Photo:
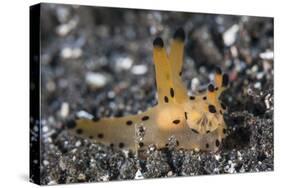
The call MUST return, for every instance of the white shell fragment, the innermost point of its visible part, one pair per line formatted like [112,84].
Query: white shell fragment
[96,80]
[229,36]
[268,55]
[139,69]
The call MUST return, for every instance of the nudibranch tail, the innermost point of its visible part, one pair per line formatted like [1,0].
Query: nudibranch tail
[118,132]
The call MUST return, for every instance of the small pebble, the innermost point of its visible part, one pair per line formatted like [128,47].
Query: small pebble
[62,164]
[229,36]
[195,84]
[52,182]
[260,75]
[64,29]
[78,143]
[45,129]
[51,86]
[81,177]
[257,85]
[64,111]
[105,178]
[96,80]
[218,157]
[111,94]
[66,52]
[45,162]
[139,69]
[268,55]
[234,51]
[84,114]
[124,63]
[73,53]
[170,173]
[139,175]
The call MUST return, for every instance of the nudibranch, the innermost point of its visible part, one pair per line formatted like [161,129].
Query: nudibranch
[196,122]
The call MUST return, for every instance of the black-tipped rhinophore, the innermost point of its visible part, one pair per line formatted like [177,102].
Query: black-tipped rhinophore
[179,34]
[71,124]
[158,42]
[224,80]
[218,70]
[211,88]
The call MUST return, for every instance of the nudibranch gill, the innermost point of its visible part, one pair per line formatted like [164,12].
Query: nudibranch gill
[196,122]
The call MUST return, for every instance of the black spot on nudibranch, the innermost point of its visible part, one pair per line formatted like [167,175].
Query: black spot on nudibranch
[180,73]
[111,145]
[217,143]
[91,137]
[176,121]
[195,131]
[185,115]
[207,145]
[179,34]
[212,108]
[158,42]
[100,135]
[172,93]
[129,122]
[224,130]
[79,131]
[204,98]
[191,97]
[166,99]
[145,118]
[121,145]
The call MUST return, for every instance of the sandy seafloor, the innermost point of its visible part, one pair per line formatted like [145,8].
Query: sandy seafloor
[99,61]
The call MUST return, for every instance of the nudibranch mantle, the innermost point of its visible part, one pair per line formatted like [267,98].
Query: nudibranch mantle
[196,122]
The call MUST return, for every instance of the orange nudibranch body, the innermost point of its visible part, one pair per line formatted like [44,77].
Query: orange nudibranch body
[196,122]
